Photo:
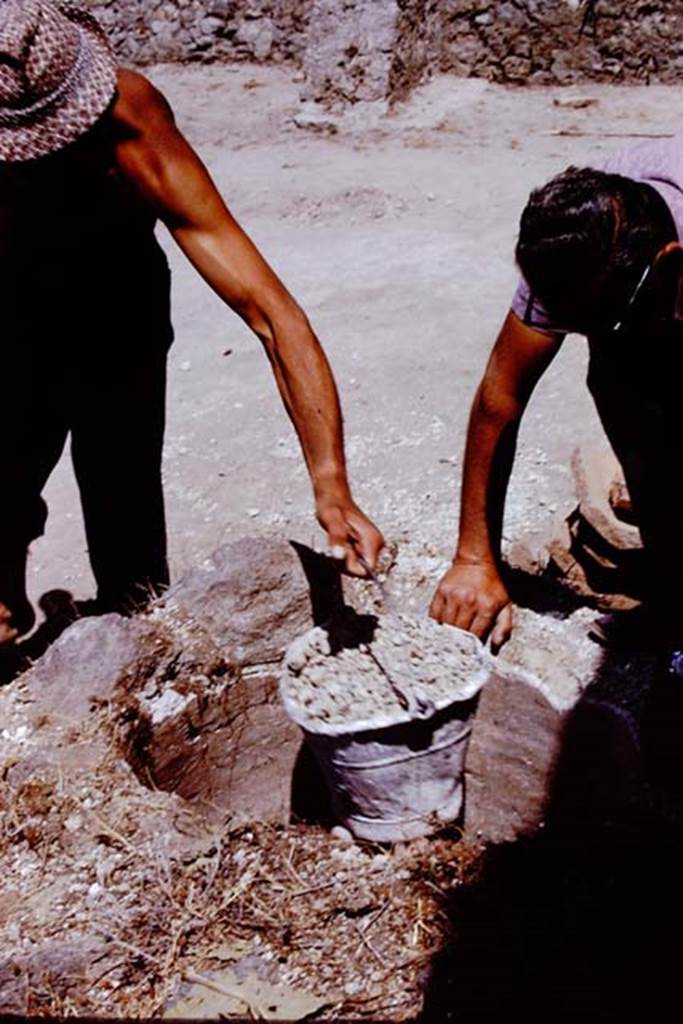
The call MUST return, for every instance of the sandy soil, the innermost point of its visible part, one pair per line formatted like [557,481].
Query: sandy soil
[396,235]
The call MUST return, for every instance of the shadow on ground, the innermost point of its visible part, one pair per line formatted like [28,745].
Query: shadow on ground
[543,592]
[60,610]
[582,920]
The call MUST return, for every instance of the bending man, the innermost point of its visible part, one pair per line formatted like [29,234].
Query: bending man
[599,255]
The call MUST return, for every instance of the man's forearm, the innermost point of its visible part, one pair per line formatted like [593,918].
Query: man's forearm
[471,594]
[489,454]
[301,369]
[306,384]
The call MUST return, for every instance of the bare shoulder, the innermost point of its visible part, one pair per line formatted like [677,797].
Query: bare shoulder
[139,105]
[149,150]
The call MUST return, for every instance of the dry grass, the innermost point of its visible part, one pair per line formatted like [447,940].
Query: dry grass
[115,900]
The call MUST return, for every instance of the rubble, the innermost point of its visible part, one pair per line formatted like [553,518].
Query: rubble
[370,668]
[597,550]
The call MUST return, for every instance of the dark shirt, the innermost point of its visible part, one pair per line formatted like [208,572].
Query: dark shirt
[77,242]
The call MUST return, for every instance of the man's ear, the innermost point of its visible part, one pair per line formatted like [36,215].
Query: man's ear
[668,266]
[669,254]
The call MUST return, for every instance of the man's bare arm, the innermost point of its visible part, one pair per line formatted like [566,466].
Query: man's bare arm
[472,594]
[166,171]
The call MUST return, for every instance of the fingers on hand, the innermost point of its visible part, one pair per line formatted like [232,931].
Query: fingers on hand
[365,538]
[462,609]
[337,532]
[364,543]
[372,542]
[502,629]
[466,610]
[353,564]
[342,542]
[452,608]
[481,624]
[437,607]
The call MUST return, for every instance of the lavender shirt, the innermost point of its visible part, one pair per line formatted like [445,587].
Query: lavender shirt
[657,162]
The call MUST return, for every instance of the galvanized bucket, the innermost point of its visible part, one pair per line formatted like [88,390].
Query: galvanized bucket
[397,776]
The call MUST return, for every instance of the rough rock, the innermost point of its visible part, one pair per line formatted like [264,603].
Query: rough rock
[558,41]
[349,50]
[189,689]
[599,484]
[515,743]
[56,969]
[542,677]
[251,596]
[171,30]
[88,660]
[597,550]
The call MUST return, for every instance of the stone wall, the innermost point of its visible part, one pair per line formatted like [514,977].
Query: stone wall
[144,31]
[563,40]
[354,50]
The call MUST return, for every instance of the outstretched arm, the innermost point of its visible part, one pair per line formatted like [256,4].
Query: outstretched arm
[472,594]
[164,168]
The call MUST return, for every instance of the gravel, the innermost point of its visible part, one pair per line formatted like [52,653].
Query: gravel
[372,667]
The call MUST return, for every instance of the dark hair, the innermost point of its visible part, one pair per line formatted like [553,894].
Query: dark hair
[585,238]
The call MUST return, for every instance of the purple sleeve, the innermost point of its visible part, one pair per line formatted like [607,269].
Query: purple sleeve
[531,312]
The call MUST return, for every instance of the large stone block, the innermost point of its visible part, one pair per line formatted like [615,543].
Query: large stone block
[515,743]
[349,50]
[251,597]
[541,676]
[87,662]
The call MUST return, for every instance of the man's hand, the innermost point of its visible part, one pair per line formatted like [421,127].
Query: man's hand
[471,595]
[350,533]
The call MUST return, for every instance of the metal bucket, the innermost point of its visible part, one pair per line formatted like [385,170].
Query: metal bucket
[398,776]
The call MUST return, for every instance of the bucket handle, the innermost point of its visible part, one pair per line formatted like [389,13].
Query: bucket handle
[417,707]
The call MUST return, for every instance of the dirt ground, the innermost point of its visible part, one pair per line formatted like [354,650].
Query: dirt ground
[395,232]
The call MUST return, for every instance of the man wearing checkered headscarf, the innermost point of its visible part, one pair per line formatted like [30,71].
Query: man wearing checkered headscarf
[90,157]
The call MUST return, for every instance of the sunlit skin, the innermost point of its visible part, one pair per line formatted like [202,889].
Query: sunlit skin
[168,181]
[472,594]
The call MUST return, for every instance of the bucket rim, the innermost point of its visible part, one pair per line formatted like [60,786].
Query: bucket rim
[387,720]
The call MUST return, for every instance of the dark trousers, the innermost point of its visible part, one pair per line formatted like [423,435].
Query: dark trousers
[87,359]
[636,382]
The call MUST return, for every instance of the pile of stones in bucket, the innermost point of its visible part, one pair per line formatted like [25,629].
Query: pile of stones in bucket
[363,669]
